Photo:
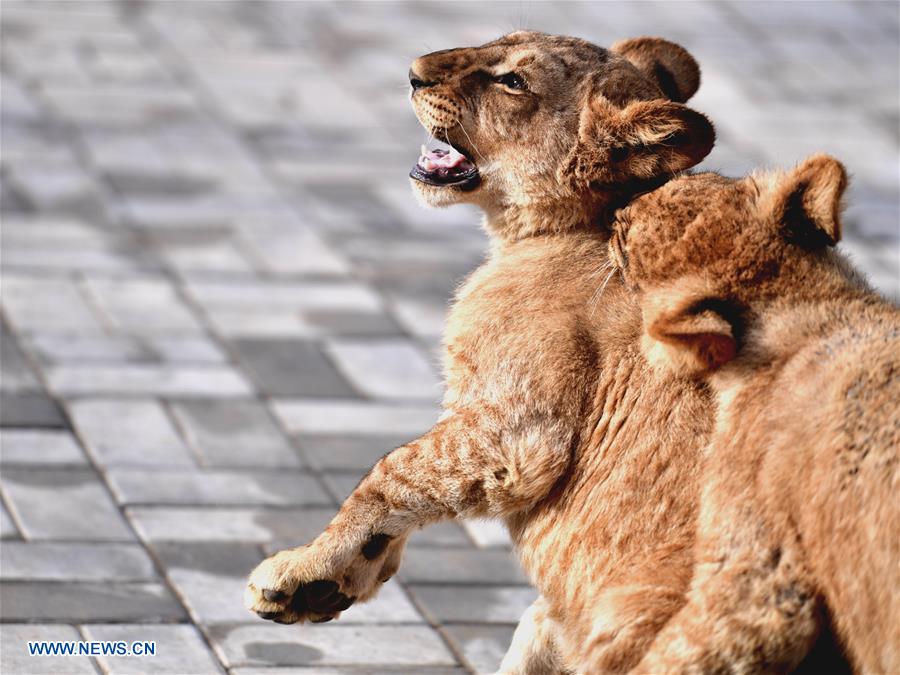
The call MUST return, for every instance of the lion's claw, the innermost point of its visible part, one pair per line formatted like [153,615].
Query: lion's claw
[275,596]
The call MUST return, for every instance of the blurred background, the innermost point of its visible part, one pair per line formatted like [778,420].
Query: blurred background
[221,303]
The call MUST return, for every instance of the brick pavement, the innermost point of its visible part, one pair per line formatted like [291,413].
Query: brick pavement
[215,317]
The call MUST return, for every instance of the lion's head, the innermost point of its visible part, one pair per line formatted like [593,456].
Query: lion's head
[707,255]
[545,131]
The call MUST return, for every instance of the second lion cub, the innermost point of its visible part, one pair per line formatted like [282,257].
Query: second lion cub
[799,508]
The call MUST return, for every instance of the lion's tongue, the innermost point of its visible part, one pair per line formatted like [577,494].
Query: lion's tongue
[443,161]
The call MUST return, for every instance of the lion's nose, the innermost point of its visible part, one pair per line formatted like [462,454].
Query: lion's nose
[417,82]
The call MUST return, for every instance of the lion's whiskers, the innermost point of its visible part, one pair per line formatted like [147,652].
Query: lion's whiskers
[596,273]
[598,294]
[468,138]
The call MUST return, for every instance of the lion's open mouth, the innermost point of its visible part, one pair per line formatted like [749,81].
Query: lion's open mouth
[446,167]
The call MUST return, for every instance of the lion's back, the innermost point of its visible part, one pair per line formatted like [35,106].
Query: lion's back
[835,465]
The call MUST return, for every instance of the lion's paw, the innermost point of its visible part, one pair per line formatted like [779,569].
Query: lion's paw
[289,587]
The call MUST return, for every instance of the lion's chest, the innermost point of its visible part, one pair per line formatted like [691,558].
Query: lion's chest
[531,349]
[518,328]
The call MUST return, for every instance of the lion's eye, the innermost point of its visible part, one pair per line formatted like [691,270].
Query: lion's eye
[511,80]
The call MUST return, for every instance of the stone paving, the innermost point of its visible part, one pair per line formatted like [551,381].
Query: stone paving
[221,304]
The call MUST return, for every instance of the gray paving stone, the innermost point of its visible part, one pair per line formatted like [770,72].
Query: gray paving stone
[65,504]
[86,602]
[16,373]
[48,306]
[186,349]
[284,322]
[221,257]
[143,306]
[180,650]
[422,317]
[390,606]
[873,216]
[347,453]
[334,644]
[216,487]
[8,528]
[142,434]
[176,160]
[53,187]
[47,561]
[234,433]
[203,211]
[37,229]
[292,368]
[66,257]
[15,659]
[462,566]
[261,322]
[39,446]
[229,524]
[488,533]
[209,381]
[484,646]
[17,102]
[118,105]
[395,261]
[294,295]
[54,349]
[395,369]
[334,416]
[332,323]
[291,249]
[210,577]
[29,409]
[128,67]
[474,604]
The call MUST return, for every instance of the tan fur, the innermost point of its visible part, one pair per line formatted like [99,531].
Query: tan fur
[800,516]
[553,419]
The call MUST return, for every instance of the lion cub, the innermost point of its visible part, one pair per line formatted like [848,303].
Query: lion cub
[552,419]
[800,503]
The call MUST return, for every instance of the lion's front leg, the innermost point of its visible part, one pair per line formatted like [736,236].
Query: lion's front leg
[466,465]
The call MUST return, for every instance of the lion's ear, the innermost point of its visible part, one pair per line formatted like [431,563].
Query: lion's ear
[645,140]
[807,202]
[690,336]
[667,64]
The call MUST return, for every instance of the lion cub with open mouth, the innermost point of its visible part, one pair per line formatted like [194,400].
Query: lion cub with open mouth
[800,509]
[552,420]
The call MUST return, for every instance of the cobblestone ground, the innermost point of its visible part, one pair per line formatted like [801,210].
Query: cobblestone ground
[221,305]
